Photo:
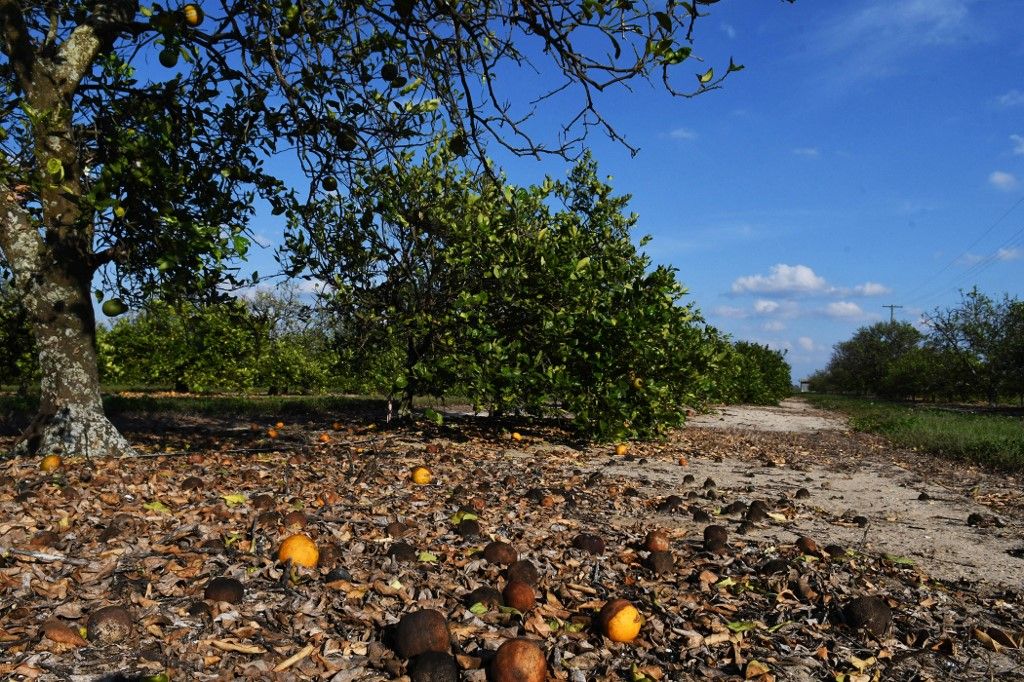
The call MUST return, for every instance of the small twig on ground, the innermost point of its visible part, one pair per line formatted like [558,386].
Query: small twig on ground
[42,556]
[292,660]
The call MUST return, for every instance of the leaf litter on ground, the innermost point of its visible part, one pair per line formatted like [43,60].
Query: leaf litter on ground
[129,533]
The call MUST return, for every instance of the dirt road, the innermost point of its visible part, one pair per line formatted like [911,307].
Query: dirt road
[916,507]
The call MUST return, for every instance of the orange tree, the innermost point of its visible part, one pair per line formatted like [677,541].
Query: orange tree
[135,138]
[764,376]
[521,299]
[269,341]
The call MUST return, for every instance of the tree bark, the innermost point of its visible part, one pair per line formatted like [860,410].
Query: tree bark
[70,420]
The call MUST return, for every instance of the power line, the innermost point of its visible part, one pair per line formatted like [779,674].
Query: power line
[967,250]
[1013,241]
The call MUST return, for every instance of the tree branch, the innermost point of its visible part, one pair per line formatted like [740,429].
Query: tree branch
[16,43]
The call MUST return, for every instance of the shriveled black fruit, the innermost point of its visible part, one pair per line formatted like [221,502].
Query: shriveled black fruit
[486,595]
[661,562]
[226,589]
[434,666]
[589,543]
[498,552]
[403,552]
[773,566]
[716,533]
[109,625]
[870,613]
[422,631]
[523,570]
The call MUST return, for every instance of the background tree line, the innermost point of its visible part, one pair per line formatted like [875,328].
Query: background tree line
[973,350]
[530,300]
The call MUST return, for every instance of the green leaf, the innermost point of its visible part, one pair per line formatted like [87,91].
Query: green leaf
[460,516]
[735,67]
[478,609]
[55,168]
[664,21]
[707,76]
[427,557]
[157,506]
[582,263]
[743,625]
[235,499]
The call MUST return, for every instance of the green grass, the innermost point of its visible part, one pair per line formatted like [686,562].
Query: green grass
[988,439]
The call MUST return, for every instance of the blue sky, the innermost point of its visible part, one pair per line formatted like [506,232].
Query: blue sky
[871,153]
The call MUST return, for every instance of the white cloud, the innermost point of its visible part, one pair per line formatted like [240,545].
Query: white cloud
[878,38]
[1018,144]
[1011,98]
[683,134]
[773,326]
[784,279]
[806,343]
[843,309]
[1003,180]
[729,30]
[765,307]
[730,312]
[1004,254]
[807,151]
[870,289]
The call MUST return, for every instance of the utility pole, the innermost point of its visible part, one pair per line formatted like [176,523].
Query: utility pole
[892,312]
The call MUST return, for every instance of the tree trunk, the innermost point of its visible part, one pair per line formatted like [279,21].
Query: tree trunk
[70,420]
[52,259]
[53,271]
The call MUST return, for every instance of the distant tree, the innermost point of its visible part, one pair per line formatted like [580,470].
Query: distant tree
[181,346]
[977,332]
[764,376]
[1010,356]
[863,364]
[270,340]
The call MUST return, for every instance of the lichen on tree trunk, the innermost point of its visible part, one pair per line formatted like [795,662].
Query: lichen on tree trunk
[70,420]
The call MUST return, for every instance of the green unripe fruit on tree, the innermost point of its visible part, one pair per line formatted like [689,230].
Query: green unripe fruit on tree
[329,183]
[114,307]
[169,57]
[389,72]
[347,141]
[459,145]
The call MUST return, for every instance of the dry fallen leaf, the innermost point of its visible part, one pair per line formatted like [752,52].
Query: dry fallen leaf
[59,631]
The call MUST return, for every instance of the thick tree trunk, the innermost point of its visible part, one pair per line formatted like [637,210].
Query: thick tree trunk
[70,420]
[52,259]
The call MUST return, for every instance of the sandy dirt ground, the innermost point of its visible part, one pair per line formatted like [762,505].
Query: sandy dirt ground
[917,507]
[791,416]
